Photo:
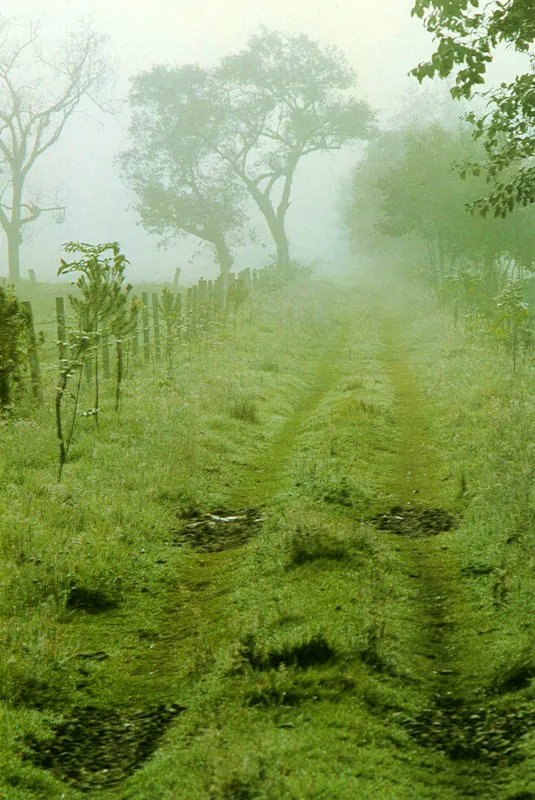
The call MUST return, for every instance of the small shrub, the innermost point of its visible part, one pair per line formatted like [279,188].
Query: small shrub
[315,545]
[269,366]
[305,654]
[244,408]
[93,601]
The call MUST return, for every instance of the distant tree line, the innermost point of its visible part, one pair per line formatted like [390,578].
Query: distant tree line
[409,189]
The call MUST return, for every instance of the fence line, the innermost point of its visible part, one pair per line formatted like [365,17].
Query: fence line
[205,307]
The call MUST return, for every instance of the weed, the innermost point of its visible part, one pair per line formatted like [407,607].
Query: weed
[515,675]
[367,407]
[245,408]
[311,652]
[314,545]
[352,384]
[330,487]
[269,366]
[372,653]
[92,601]
[276,688]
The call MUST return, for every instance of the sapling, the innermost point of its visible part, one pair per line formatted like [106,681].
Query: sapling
[512,322]
[102,299]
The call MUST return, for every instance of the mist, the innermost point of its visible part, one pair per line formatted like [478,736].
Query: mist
[380,41]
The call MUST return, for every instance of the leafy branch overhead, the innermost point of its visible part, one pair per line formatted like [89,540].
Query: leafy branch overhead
[205,141]
[469,36]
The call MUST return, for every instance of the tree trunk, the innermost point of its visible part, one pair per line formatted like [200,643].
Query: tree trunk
[225,260]
[274,219]
[14,228]
[281,241]
[276,226]
[13,254]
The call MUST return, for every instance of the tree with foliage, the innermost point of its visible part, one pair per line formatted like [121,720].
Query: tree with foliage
[242,127]
[102,300]
[33,115]
[407,182]
[181,188]
[469,35]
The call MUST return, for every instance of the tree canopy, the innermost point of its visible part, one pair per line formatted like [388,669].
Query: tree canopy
[204,139]
[406,188]
[181,188]
[469,35]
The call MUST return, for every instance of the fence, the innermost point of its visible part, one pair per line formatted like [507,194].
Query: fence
[163,324]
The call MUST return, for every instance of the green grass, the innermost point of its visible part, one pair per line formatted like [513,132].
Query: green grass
[295,655]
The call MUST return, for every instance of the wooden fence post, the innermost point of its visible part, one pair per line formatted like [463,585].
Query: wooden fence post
[176,280]
[219,291]
[180,311]
[231,288]
[210,299]
[33,358]
[135,337]
[146,331]
[156,325]
[245,277]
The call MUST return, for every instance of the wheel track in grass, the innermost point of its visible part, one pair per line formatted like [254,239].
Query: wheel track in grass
[191,616]
[186,619]
[441,621]
[458,719]
[263,478]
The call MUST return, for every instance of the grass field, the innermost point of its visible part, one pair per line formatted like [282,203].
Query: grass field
[298,566]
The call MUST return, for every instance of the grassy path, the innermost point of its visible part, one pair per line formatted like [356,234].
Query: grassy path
[458,718]
[416,480]
[320,657]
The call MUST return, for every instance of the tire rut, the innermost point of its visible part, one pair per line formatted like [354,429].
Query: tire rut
[457,720]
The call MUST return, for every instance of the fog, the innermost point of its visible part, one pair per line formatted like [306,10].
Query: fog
[380,40]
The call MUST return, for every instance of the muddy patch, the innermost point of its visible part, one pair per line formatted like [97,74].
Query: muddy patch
[213,533]
[488,734]
[98,747]
[415,521]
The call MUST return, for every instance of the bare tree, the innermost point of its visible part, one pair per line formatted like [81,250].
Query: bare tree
[37,97]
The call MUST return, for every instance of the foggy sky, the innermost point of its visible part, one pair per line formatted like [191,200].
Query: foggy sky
[379,38]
